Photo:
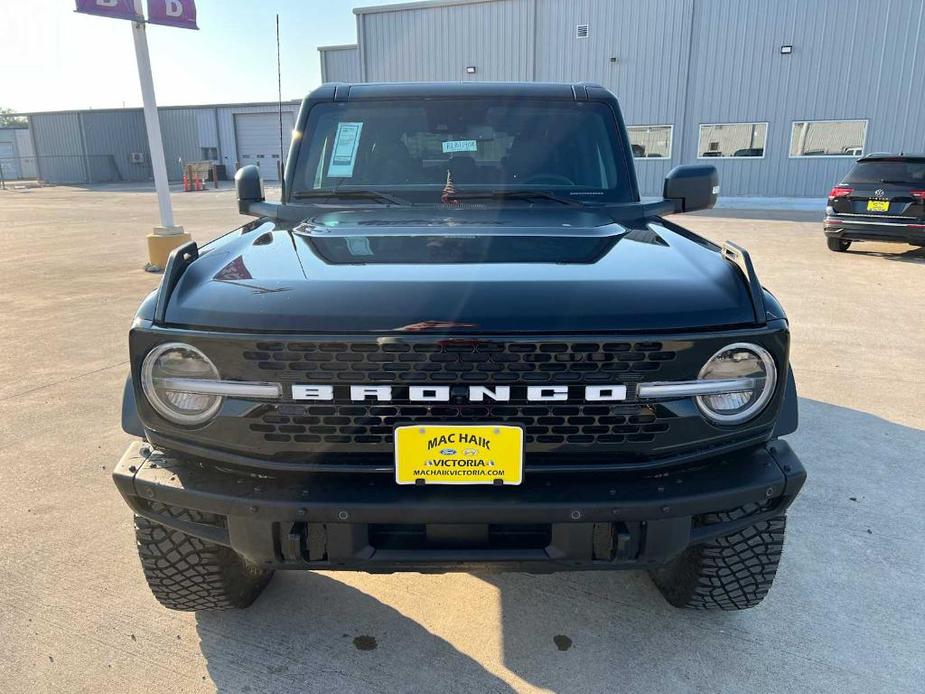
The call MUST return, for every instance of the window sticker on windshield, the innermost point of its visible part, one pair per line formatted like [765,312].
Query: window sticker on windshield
[344,155]
[451,146]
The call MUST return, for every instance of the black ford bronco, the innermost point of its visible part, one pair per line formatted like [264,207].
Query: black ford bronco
[460,342]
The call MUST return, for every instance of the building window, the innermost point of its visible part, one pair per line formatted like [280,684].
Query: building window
[650,141]
[732,140]
[210,153]
[828,138]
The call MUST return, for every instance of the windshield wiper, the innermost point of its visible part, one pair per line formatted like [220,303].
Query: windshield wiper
[516,195]
[898,182]
[350,195]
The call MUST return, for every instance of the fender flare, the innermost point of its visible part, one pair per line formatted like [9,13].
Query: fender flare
[131,423]
[789,417]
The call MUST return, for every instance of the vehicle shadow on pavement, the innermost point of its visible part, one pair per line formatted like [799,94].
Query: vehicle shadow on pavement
[311,632]
[758,214]
[612,631]
[913,255]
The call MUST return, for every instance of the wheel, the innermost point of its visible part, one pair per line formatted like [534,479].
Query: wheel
[733,572]
[837,245]
[190,574]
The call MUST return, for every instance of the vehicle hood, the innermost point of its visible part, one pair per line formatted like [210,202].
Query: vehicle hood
[531,270]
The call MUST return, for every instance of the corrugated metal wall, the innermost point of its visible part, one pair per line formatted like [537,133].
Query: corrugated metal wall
[649,42]
[9,154]
[111,137]
[422,44]
[27,165]
[852,59]
[180,130]
[24,142]
[96,146]
[683,63]
[59,147]
[207,127]
[340,63]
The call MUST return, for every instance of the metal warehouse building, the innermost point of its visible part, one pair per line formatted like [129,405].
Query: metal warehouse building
[106,146]
[16,157]
[781,95]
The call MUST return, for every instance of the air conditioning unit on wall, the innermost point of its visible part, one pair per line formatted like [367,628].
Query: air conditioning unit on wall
[137,157]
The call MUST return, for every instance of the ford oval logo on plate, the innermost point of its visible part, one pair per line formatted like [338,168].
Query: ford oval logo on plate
[447,451]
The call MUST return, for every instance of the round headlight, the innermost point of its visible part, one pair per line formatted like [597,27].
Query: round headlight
[751,374]
[162,378]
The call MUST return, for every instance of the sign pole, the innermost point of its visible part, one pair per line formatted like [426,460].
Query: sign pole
[167,236]
[152,122]
[178,13]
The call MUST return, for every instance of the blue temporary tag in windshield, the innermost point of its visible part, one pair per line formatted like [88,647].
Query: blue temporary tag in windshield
[452,146]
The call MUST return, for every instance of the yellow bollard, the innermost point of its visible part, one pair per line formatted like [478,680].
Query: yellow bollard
[160,243]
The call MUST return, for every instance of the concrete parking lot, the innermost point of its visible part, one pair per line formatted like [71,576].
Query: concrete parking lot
[845,614]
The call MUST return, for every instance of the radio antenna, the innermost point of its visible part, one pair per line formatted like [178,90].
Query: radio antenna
[279,87]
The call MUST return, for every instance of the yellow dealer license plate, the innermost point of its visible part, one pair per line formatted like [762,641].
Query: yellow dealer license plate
[459,454]
[878,205]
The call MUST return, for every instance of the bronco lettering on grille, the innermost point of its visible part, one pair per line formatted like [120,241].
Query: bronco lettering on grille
[604,393]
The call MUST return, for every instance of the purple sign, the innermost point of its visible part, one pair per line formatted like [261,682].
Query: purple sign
[174,13]
[119,9]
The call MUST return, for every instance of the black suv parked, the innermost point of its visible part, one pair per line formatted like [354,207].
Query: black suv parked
[461,342]
[881,199]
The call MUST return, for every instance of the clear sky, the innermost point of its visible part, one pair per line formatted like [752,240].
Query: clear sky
[53,58]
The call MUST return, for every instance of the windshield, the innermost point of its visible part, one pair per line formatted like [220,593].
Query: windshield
[899,172]
[419,149]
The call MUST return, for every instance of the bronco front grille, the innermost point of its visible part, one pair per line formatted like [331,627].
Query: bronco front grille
[457,361]
[368,426]
[341,431]
[373,424]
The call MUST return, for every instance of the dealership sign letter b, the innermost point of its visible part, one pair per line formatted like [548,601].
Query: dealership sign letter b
[175,13]
[120,9]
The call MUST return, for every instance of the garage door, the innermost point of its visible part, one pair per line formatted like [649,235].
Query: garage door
[8,163]
[257,138]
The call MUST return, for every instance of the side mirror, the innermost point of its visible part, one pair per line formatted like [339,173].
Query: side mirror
[693,187]
[249,186]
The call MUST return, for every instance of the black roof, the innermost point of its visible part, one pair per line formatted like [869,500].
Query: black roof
[392,90]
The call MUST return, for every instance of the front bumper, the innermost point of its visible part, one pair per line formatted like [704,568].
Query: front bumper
[549,523]
[861,229]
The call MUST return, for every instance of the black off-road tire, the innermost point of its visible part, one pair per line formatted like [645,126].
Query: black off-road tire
[837,245]
[733,572]
[189,574]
